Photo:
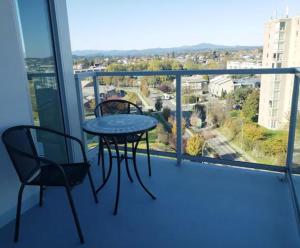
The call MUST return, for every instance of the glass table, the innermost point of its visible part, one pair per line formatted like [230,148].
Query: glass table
[120,129]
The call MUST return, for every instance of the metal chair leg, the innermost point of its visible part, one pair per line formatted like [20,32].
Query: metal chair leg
[136,170]
[18,215]
[74,214]
[93,187]
[126,162]
[119,177]
[148,155]
[41,195]
[99,151]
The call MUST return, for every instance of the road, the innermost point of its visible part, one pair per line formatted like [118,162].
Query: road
[221,145]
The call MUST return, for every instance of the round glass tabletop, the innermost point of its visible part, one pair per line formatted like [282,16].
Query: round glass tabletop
[120,124]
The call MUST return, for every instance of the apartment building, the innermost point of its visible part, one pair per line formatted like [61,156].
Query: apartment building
[281,49]
[220,85]
[233,64]
[195,84]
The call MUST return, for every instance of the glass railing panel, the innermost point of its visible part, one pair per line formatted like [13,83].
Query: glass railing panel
[237,117]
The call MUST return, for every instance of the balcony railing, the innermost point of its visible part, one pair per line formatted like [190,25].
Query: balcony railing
[178,74]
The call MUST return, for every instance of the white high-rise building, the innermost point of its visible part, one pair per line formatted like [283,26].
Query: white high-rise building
[281,49]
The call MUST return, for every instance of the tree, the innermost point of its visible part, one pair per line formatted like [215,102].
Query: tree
[200,109]
[241,94]
[194,145]
[216,114]
[195,120]
[144,89]
[276,148]
[158,104]
[165,88]
[250,108]
[191,65]
[252,134]
[166,113]
[162,134]
[174,127]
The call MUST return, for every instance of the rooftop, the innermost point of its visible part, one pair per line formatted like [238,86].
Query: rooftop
[198,205]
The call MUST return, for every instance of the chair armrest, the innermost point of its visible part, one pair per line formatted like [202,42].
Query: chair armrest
[66,136]
[40,160]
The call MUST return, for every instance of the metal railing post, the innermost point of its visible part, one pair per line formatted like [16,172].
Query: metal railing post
[96,90]
[80,106]
[293,123]
[178,120]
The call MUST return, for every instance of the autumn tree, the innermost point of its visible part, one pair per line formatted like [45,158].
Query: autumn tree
[194,145]
[144,89]
[174,127]
[162,134]
[252,134]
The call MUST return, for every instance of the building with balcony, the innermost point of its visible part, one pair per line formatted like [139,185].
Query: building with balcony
[201,201]
[281,49]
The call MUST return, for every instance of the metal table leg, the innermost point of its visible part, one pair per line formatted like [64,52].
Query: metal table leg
[118,176]
[136,170]
[110,166]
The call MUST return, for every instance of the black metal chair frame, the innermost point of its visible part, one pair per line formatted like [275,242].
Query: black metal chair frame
[126,157]
[45,164]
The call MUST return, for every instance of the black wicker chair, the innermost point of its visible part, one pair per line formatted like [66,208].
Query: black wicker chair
[119,106]
[37,170]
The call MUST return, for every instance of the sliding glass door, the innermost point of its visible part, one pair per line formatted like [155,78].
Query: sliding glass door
[41,64]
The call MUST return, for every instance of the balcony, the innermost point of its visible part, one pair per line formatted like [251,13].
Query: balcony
[202,200]
[198,205]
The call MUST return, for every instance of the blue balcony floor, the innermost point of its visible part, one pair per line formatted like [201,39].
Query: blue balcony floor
[197,206]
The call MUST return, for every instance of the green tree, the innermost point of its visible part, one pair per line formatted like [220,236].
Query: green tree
[166,113]
[241,94]
[158,104]
[250,107]
[194,145]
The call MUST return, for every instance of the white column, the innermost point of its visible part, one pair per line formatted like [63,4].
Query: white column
[68,82]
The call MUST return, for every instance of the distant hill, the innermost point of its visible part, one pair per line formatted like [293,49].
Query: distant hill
[160,51]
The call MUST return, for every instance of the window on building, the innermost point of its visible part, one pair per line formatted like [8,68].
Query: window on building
[279,56]
[273,123]
[282,26]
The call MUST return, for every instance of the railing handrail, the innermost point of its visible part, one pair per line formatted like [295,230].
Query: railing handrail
[290,70]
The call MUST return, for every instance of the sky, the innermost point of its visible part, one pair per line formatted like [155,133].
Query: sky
[140,24]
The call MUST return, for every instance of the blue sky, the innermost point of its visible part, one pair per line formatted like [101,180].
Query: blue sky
[139,24]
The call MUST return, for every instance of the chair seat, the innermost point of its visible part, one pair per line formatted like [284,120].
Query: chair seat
[52,176]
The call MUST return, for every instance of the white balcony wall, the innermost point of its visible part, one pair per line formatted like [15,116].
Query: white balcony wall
[15,107]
